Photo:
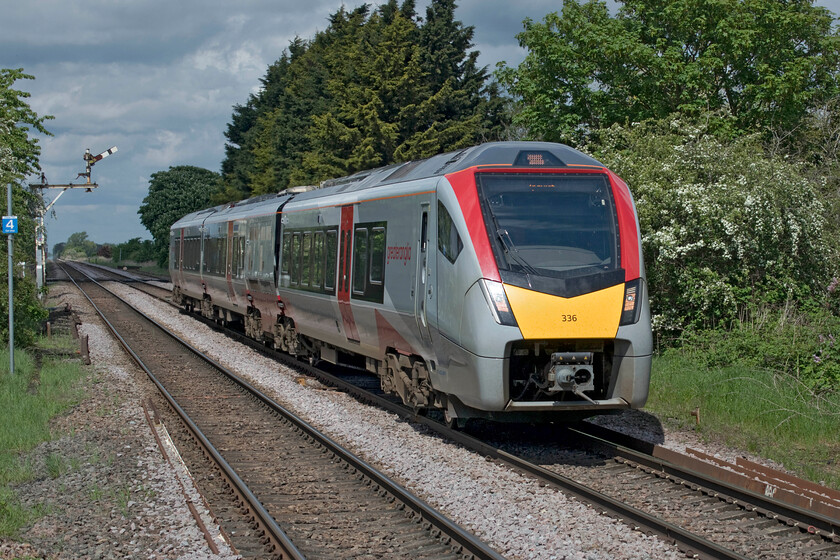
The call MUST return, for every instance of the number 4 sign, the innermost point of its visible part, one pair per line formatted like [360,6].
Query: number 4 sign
[10,224]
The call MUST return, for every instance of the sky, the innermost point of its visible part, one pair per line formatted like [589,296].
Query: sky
[159,80]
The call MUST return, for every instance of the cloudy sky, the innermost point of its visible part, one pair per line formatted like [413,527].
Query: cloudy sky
[159,80]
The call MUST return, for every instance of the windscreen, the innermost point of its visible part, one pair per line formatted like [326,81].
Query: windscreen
[556,225]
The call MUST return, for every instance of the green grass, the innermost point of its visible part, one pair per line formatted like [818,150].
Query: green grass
[13,515]
[150,267]
[767,413]
[28,399]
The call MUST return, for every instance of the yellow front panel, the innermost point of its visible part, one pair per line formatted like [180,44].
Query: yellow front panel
[594,315]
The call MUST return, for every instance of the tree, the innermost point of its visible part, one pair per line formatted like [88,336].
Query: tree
[173,194]
[19,158]
[19,151]
[267,135]
[135,250]
[376,87]
[759,64]
[725,228]
[78,246]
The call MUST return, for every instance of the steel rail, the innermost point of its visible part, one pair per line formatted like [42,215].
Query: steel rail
[822,525]
[467,541]
[284,548]
[690,544]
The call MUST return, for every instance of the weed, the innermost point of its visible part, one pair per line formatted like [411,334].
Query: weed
[122,496]
[55,465]
[25,416]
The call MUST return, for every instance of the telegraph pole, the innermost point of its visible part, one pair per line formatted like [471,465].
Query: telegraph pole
[40,237]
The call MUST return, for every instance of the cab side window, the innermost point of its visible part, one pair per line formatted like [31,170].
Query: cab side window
[449,242]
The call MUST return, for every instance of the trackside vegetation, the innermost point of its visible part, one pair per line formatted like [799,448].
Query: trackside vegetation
[19,158]
[763,411]
[28,400]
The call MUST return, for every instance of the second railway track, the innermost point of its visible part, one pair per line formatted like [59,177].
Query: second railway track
[329,503]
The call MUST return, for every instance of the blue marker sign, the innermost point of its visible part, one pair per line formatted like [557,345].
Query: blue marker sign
[10,224]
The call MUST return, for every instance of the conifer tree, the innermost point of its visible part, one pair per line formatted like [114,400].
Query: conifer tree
[373,88]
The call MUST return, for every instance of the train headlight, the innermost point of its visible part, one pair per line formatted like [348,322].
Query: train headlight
[497,300]
[632,302]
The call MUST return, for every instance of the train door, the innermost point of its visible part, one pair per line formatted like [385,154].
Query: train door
[345,254]
[229,272]
[179,263]
[424,302]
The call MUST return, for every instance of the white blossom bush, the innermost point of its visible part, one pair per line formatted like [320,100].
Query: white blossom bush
[725,228]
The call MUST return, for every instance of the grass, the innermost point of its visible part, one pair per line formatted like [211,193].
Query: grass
[767,413]
[149,267]
[28,399]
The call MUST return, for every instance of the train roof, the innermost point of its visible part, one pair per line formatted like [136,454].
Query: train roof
[514,154]
[264,204]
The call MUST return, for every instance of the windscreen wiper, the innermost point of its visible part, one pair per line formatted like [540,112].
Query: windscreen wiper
[510,249]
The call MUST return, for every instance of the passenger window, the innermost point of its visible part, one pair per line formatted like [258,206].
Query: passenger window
[449,242]
[238,255]
[294,271]
[287,253]
[318,260]
[223,244]
[360,260]
[377,255]
[331,260]
[306,259]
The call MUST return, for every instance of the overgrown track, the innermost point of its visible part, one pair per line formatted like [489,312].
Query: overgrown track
[329,503]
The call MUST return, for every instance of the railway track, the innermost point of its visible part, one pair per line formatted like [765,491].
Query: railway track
[302,494]
[702,508]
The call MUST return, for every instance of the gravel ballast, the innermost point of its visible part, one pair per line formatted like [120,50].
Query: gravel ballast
[115,496]
[513,513]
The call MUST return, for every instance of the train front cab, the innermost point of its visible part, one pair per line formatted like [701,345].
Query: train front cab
[555,318]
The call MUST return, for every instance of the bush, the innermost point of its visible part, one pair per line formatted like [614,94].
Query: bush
[725,228]
[804,345]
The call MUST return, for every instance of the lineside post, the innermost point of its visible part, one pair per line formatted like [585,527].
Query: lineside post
[11,285]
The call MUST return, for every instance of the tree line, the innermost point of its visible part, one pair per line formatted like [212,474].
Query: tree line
[79,247]
[374,88]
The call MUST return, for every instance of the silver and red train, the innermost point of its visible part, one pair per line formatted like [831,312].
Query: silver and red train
[502,281]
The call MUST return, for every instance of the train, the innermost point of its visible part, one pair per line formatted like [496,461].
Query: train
[504,281]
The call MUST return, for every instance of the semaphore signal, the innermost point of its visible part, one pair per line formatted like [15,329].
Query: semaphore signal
[90,161]
[40,241]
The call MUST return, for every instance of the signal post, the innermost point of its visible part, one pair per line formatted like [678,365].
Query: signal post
[40,231]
